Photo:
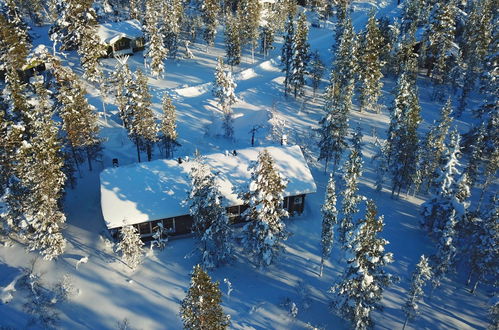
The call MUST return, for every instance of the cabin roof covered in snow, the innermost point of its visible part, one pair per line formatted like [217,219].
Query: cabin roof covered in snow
[156,190]
[109,33]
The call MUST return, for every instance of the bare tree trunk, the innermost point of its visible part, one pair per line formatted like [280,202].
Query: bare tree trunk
[73,151]
[138,149]
[89,160]
[405,322]
[322,266]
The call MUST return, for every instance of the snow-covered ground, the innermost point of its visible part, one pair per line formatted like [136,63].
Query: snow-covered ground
[149,298]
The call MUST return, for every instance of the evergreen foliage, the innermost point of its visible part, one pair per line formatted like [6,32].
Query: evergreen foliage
[223,89]
[316,70]
[210,9]
[287,53]
[130,246]
[351,199]
[419,277]
[201,308]
[329,220]
[264,233]
[360,289]
[156,50]
[300,57]
[168,126]
[232,41]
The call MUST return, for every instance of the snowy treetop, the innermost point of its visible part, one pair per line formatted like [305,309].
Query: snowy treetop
[155,190]
[111,32]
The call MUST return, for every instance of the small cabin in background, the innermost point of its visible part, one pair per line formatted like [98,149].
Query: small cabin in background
[145,194]
[122,38]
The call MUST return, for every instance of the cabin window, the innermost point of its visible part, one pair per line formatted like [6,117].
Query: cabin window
[139,42]
[145,228]
[285,203]
[298,200]
[169,224]
[122,44]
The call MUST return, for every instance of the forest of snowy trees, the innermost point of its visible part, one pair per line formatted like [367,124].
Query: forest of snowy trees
[50,134]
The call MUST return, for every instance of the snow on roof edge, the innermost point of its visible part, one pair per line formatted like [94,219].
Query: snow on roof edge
[155,190]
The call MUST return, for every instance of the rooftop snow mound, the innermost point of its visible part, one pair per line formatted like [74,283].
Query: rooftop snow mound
[155,190]
[111,32]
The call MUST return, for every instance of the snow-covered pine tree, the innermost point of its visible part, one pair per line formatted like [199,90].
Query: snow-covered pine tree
[223,89]
[156,50]
[412,14]
[130,246]
[74,17]
[345,66]
[79,119]
[90,51]
[494,315]
[251,10]
[301,56]
[14,41]
[370,64]
[232,41]
[168,126]
[143,128]
[211,223]
[329,220]
[446,250]
[444,201]
[379,159]
[39,170]
[287,52]
[172,17]
[433,148]
[334,128]
[360,289]
[484,250]
[419,277]
[210,10]
[439,39]
[316,70]
[124,87]
[403,140]
[264,233]
[476,39]
[351,199]
[267,36]
[201,308]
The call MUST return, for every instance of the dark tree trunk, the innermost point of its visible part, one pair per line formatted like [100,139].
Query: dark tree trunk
[137,143]
[89,158]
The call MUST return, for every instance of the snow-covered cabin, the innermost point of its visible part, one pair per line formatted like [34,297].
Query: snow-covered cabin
[144,194]
[122,38]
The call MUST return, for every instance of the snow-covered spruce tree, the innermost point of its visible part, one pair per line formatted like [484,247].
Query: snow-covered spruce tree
[360,289]
[264,233]
[211,223]
[494,315]
[173,17]
[443,200]
[135,9]
[130,246]
[403,140]
[223,89]
[380,161]
[345,66]
[74,17]
[477,37]
[39,170]
[210,9]
[439,39]
[329,220]
[412,14]
[232,41]
[168,126]
[251,10]
[14,42]
[446,250]
[316,70]
[334,128]
[301,56]
[267,36]
[90,51]
[156,51]
[79,119]
[287,53]
[433,148]
[201,308]
[351,199]
[370,64]
[124,87]
[483,247]
[419,277]
[143,127]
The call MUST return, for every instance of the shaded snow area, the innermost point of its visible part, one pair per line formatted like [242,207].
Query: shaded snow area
[156,190]
[289,294]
